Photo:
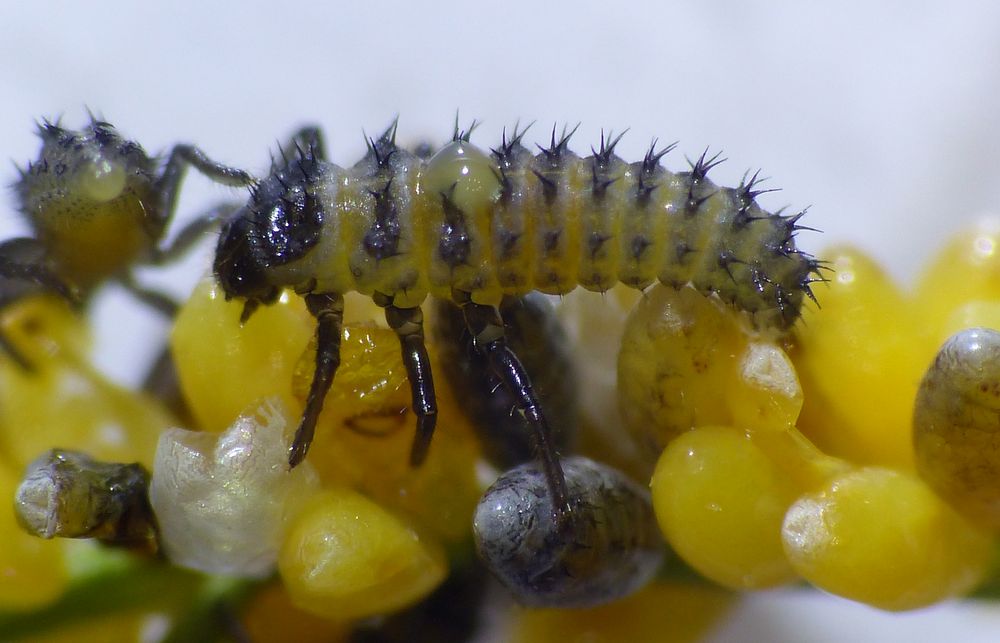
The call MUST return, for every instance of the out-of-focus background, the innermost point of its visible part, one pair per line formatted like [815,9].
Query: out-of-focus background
[881,117]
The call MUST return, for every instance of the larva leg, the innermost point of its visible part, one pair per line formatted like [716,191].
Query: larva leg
[168,184]
[328,310]
[486,327]
[409,326]
[24,259]
[158,301]
[8,348]
[194,232]
[25,270]
[189,235]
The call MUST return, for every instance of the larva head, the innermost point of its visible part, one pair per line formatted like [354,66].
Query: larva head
[94,164]
[89,197]
[279,225]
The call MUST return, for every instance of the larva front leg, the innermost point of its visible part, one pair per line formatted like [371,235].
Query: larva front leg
[328,309]
[169,182]
[487,330]
[409,326]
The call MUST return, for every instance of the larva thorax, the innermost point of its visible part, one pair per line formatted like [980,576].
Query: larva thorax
[506,223]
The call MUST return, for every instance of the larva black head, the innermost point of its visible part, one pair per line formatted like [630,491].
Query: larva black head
[279,225]
[241,262]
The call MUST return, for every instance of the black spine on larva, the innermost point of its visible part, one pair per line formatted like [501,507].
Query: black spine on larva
[601,163]
[382,240]
[510,157]
[742,253]
[510,225]
[455,242]
[550,163]
[383,169]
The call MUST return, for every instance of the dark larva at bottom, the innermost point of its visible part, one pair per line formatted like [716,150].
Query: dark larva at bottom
[70,495]
[451,614]
[610,547]
[956,424]
[538,338]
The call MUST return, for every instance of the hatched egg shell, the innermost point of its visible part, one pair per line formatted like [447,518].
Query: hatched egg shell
[222,500]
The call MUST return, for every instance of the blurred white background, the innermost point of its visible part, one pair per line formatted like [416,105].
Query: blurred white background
[880,116]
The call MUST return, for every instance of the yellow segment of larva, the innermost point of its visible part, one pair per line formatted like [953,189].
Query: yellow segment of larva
[460,186]
[511,223]
[602,208]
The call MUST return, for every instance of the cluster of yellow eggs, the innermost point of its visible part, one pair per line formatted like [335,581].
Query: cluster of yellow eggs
[770,460]
[802,462]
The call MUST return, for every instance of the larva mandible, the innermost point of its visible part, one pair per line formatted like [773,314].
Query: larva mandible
[472,227]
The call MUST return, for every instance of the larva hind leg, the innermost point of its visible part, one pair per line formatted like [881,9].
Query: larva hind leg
[487,330]
[328,309]
[409,326]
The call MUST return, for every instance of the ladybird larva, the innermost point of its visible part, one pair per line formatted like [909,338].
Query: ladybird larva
[610,548]
[471,227]
[98,204]
[70,495]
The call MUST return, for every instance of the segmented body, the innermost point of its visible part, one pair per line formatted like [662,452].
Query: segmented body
[611,548]
[473,227]
[508,223]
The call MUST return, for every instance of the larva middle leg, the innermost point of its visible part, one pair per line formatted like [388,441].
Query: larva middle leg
[409,326]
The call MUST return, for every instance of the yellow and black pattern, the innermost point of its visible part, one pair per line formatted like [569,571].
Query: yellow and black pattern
[507,222]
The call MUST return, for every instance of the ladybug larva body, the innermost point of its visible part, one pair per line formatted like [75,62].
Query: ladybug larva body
[472,227]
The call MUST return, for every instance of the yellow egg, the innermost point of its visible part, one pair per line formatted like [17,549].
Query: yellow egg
[678,358]
[675,612]
[270,617]
[766,395]
[346,557]
[224,368]
[966,269]
[858,365]
[884,538]
[63,401]
[720,502]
